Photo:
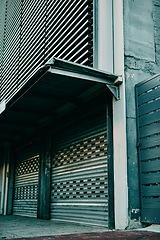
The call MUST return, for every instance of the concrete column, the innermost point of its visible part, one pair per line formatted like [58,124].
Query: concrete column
[119,125]
[44,178]
[109,49]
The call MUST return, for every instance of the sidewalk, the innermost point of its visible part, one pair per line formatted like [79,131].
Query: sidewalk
[16,227]
[102,236]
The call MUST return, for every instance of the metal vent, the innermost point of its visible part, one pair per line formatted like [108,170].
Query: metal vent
[35,31]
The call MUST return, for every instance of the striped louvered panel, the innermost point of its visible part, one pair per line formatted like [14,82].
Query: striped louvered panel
[26,187]
[70,30]
[2,35]
[32,38]
[9,74]
[36,31]
[80,181]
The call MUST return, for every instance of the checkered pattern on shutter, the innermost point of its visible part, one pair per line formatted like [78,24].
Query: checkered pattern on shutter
[26,187]
[80,181]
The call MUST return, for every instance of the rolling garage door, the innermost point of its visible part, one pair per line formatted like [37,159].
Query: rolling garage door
[26,186]
[80,181]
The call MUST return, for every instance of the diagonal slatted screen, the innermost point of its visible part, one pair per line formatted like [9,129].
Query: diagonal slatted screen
[11,45]
[34,31]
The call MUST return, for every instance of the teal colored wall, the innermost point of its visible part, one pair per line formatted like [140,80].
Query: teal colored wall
[142,60]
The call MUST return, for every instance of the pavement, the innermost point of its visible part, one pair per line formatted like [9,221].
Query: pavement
[25,228]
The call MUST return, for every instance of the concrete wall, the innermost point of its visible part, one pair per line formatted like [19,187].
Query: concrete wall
[142,60]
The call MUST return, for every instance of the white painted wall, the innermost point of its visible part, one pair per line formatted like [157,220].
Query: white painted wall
[103,35]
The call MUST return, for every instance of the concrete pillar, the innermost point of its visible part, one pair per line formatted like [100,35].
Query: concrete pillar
[44,178]
[119,125]
[109,56]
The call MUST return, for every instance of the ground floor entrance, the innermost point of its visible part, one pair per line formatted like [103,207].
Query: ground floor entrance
[78,187]
[69,177]
[25,194]
[79,190]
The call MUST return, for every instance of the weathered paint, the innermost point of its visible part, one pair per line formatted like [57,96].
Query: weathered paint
[139,29]
[142,59]
[44,178]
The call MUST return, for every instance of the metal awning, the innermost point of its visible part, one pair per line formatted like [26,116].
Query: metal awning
[56,89]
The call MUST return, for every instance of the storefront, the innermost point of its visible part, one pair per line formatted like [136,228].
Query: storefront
[66,109]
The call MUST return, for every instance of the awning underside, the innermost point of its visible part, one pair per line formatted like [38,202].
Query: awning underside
[55,91]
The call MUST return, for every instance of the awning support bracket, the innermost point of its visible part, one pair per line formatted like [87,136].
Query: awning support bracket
[115,89]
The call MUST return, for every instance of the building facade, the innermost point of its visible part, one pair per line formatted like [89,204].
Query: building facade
[75,135]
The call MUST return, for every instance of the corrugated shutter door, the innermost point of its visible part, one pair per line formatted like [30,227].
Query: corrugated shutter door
[80,180]
[26,187]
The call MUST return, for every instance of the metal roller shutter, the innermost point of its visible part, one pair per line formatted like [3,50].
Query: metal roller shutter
[26,187]
[80,180]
